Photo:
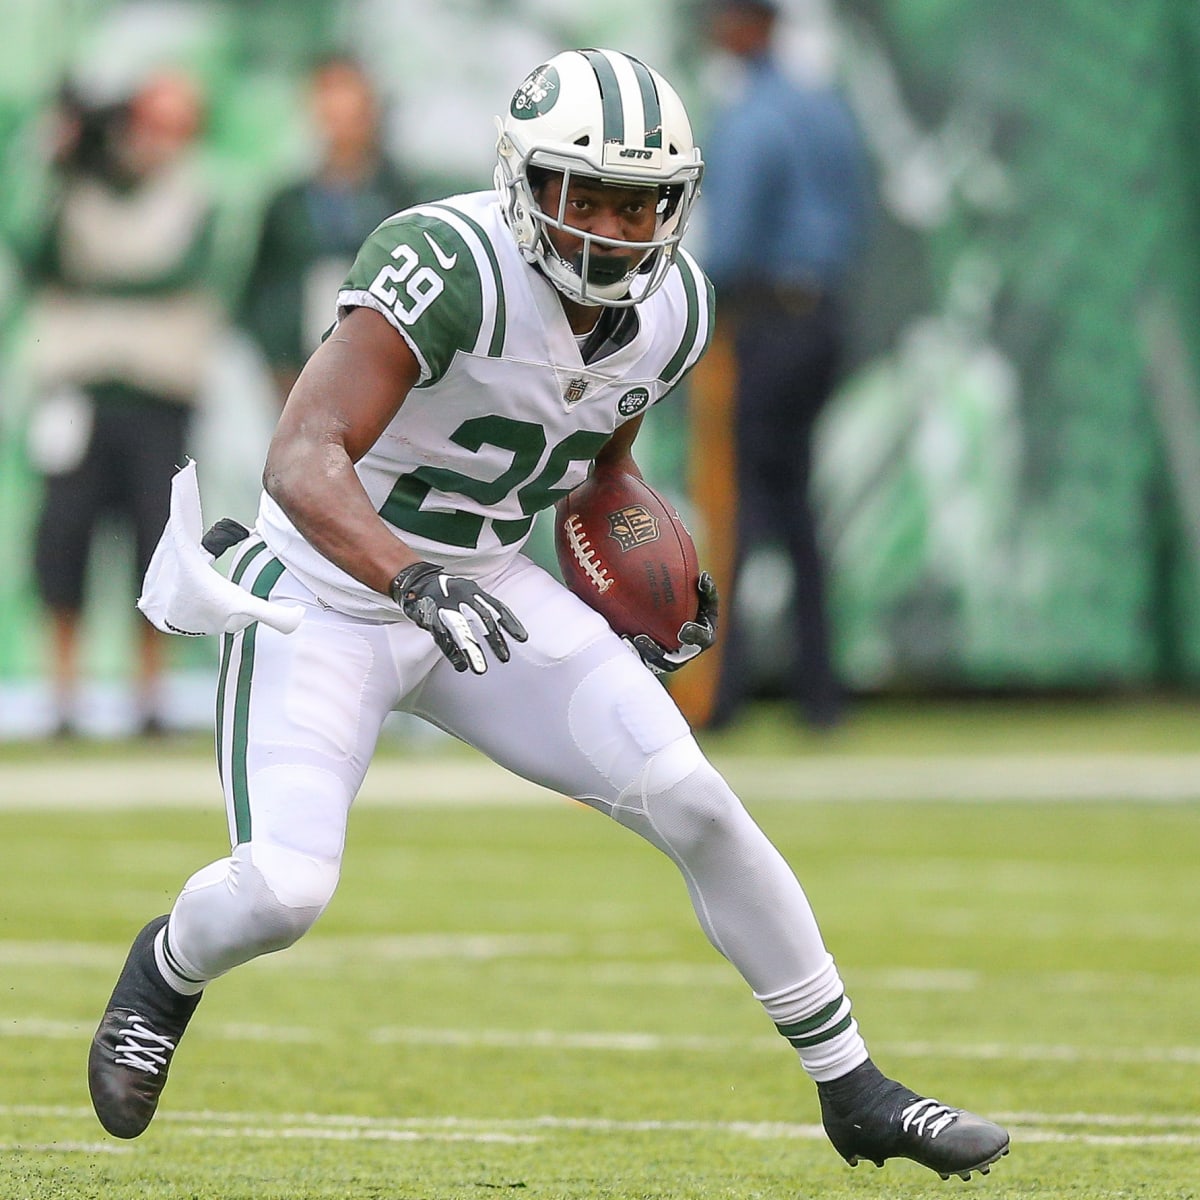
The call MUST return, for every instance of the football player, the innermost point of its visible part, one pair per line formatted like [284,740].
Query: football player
[489,351]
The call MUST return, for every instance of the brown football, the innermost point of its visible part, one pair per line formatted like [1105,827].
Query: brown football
[623,549]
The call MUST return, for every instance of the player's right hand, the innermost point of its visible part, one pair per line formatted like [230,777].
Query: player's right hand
[443,604]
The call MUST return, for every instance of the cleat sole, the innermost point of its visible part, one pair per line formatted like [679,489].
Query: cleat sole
[983,1168]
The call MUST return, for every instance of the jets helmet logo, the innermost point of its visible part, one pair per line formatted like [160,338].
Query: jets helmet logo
[537,95]
[634,525]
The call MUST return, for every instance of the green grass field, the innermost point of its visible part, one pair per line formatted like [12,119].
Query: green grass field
[510,995]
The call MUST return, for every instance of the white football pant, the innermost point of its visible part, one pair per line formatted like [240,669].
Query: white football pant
[574,710]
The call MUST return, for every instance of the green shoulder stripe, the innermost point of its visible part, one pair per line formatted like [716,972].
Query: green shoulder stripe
[688,352]
[496,344]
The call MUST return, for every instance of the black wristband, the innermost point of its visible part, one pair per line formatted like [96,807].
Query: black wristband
[411,574]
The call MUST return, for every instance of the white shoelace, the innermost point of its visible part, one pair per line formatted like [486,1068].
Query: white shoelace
[927,1113]
[142,1048]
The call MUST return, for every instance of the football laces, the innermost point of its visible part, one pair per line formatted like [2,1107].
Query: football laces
[581,548]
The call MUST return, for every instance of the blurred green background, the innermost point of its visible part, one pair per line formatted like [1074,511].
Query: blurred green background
[1009,477]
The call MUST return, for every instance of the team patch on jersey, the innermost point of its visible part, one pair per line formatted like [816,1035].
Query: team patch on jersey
[634,525]
[576,390]
[537,95]
[633,401]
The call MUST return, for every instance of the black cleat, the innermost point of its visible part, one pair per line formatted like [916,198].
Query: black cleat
[868,1116]
[130,1054]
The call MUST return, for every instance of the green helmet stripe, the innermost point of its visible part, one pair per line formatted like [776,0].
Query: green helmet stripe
[610,95]
[650,104]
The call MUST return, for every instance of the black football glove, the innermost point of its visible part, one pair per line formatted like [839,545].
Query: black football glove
[694,637]
[225,533]
[440,604]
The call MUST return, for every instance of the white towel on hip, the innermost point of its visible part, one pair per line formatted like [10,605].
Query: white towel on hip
[184,593]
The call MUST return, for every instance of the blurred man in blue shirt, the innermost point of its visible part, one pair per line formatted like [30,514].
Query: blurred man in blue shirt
[785,193]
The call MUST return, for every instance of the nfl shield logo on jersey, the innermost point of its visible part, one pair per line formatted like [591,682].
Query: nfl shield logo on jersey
[576,390]
[634,525]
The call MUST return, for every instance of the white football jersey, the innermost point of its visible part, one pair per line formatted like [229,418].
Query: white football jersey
[506,417]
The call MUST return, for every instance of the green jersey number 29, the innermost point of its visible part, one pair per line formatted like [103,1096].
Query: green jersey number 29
[527,441]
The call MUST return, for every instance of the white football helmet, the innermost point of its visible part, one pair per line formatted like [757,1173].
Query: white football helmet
[607,116]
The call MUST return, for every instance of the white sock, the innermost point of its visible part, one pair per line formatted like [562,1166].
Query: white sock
[179,975]
[814,1015]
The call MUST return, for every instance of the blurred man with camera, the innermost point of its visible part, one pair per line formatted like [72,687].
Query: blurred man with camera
[121,327]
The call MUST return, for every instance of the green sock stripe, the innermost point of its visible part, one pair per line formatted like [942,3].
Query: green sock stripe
[173,963]
[819,1018]
[267,578]
[803,1043]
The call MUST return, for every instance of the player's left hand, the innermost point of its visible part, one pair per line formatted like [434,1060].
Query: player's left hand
[694,637]
[440,604]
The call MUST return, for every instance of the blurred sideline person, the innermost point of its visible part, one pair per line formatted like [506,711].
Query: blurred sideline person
[492,349]
[121,327]
[785,194]
[313,227]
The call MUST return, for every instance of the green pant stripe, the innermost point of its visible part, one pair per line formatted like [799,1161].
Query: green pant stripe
[222,684]
[267,578]
[235,576]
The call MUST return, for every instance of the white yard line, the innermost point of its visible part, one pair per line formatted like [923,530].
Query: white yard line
[320,952]
[63,1148]
[545,953]
[626,1042]
[1070,1128]
[422,781]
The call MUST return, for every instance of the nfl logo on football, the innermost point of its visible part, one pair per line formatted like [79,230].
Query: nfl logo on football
[632,526]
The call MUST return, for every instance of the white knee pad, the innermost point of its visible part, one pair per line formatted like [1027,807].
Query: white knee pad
[296,881]
[259,900]
[679,801]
